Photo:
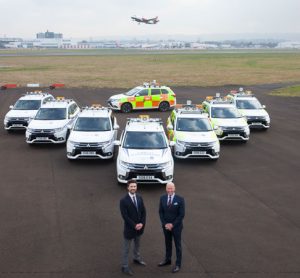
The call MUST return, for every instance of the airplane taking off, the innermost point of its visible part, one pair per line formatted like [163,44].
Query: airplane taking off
[145,20]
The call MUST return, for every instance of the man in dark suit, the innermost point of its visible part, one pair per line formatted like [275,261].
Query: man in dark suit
[134,215]
[171,213]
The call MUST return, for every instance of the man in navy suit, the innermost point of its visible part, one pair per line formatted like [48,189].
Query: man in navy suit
[171,213]
[134,215]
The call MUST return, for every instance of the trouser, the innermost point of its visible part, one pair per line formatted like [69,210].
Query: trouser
[176,234]
[126,249]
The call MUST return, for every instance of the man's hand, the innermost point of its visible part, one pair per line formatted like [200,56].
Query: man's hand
[139,226]
[169,226]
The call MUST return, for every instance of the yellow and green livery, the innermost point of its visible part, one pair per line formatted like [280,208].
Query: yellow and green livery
[148,96]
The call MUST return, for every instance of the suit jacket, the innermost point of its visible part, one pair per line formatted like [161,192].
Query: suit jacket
[173,214]
[132,216]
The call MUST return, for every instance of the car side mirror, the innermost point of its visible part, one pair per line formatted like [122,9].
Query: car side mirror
[216,127]
[172,144]
[263,106]
[170,127]
[117,142]
[11,107]
[116,126]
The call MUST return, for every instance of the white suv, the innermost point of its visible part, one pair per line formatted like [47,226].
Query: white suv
[93,134]
[229,123]
[250,107]
[24,110]
[51,123]
[192,132]
[144,152]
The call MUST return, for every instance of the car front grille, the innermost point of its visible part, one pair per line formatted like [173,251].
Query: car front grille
[144,167]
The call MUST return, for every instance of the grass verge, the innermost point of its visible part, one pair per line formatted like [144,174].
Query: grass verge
[291,91]
[168,68]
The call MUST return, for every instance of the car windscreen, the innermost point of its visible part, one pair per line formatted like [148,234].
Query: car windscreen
[193,124]
[132,92]
[23,104]
[225,112]
[144,140]
[51,114]
[248,104]
[92,124]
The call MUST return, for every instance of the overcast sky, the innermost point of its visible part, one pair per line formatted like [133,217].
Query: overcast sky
[95,18]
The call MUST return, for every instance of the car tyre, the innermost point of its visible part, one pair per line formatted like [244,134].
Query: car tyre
[126,107]
[164,106]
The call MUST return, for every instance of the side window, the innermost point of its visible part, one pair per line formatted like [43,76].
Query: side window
[112,120]
[143,92]
[155,92]
[164,91]
[71,109]
[75,107]
[46,100]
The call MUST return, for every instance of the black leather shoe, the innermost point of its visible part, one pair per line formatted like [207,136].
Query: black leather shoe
[165,262]
[176,269]
[127,271]
[140,262]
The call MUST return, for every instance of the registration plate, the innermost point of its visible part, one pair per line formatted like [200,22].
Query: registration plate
[234,135]
[88,152]
[198,152]
[17,125]
[145,177]
[42,138]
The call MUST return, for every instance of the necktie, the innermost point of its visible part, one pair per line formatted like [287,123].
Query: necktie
[134,201]
[169,201]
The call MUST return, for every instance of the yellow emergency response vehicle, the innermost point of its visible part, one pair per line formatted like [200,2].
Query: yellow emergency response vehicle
[148,96]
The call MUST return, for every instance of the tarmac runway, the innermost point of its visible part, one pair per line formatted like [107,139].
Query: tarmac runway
[62,219]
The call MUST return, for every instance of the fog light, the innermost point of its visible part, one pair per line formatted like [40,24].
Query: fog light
[169,177]
[121,177]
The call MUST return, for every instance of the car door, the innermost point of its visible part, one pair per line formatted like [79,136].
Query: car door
[142,98]
[71,113]
[155,97]
[114,124]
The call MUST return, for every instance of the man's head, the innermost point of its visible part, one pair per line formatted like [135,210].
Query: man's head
[131,186]
[170,188]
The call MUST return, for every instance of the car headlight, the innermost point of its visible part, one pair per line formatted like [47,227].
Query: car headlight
[6,119]
[216,144]
[59,129]
[114,101]
[124,164]
[166,164]
[181,142]
[267,117]
[71,144]
[105,143]
[31,130]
